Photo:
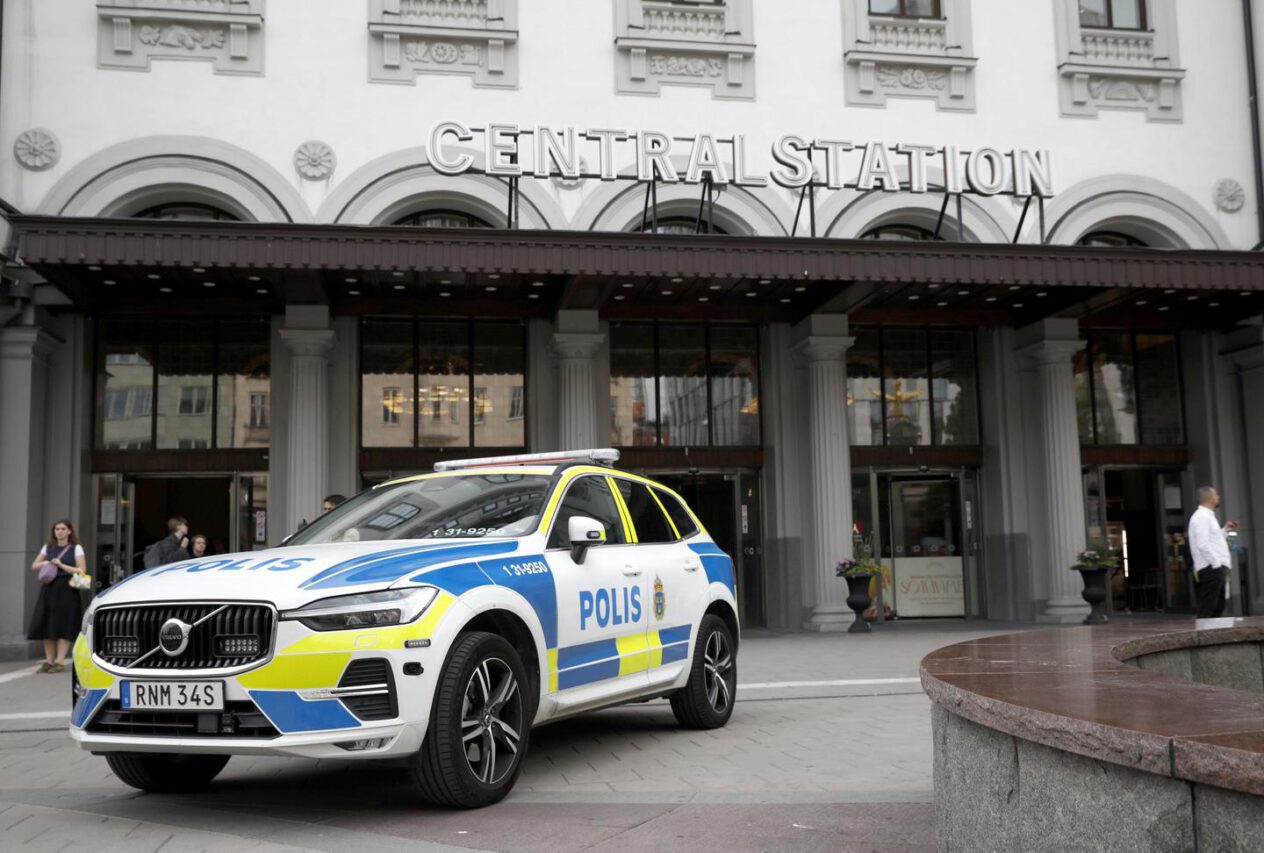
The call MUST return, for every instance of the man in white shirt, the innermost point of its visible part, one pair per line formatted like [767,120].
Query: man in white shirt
[1210,552]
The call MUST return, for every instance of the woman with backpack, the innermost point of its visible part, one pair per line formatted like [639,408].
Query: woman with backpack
[58,610]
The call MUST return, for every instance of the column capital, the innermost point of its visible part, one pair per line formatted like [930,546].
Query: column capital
[818,348]
[1059,351]
[311,342]
[27,342]
[577,344]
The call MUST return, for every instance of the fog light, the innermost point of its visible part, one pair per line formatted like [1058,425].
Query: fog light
[361,745]
[236,646]
[122,647]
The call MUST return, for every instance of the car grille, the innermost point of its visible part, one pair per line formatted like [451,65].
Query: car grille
[372,674]
[127,637]
[237,720]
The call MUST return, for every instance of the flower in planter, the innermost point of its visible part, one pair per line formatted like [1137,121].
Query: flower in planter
[858,567]
[1094,558]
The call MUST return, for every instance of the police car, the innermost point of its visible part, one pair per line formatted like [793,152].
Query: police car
[436,617]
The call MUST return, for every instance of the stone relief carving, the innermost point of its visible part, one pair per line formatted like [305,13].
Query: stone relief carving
[227,33]
[1119,69]
[475,38]
[314,160]
[37,149]
[676,42]
[909,57]
[1230,196]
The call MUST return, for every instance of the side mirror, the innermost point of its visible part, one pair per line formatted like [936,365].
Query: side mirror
[584,533]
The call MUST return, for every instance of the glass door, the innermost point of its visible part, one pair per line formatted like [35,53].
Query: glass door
[925,546]
[114,509]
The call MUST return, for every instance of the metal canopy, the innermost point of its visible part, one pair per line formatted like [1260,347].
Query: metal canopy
[232,245]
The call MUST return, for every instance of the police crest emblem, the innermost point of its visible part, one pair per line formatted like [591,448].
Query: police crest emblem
[660,600]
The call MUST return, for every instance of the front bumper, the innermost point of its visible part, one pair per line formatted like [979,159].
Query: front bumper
[292,698]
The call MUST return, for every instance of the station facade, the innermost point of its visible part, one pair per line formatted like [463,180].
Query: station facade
[966,286]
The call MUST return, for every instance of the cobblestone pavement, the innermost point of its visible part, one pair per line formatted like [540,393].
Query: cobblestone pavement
[828,749]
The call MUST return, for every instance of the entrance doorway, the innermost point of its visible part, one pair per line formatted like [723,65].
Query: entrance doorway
[922,527]
[729,507]
[1139,513]
[132,512]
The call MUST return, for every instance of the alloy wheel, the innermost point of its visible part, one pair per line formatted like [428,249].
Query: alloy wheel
[717,660]
[491,719]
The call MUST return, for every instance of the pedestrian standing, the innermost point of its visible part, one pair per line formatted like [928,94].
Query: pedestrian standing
[58,610]
[1210,552]
[198,545]
[171,548]
[332,502]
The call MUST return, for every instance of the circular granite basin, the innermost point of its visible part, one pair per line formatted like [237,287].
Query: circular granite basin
[1141,736]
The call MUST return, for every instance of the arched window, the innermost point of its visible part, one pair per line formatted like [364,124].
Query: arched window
[187,212]
[441,219]
[680,225]
[1111,240]
[899,232]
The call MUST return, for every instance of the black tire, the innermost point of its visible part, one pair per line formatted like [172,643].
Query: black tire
[706,701]
[480,725]
[165,773]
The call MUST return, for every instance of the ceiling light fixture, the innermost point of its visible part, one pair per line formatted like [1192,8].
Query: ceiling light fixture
[349,292]
[704,299]
[1042,294]
[1018,305]
[444,293]
[537,284]
[398,273]
[665,292]
[252,278]
[491,288]
[677,280]
[165,289]
[800,289]
[208,284]
[942,304]
[1143,301]
[533,296]
[399,287]
[914,298]
[714,287]
[619,298]
[350,280]
[785,300]
[153,276]
[990,299]
[1014,287]
[1162,307]
[195,269]
[95,268]
[109,282]
[765,281]
[261,290]
[493,276]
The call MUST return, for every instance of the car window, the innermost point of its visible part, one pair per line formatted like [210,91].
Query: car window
[589,497]
[650,523]
[679,515]
[464,506]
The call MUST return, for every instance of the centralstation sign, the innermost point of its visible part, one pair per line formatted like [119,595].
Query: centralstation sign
[794,161]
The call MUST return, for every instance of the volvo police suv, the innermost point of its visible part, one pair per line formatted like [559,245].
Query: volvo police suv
[437,617]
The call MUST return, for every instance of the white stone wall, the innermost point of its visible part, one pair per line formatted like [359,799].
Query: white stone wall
[318,86]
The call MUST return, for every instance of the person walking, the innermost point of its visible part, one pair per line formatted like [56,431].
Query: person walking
[1210,552]
[171,548]
[58,610]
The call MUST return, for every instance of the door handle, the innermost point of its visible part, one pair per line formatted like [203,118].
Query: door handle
[631,571]
[692,565]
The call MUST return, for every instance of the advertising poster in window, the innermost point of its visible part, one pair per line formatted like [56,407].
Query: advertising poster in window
[928,586]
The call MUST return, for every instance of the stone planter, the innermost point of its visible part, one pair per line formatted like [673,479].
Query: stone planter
[859,600]
[1095,593]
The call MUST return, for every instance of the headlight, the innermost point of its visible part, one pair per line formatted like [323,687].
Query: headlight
[365,609]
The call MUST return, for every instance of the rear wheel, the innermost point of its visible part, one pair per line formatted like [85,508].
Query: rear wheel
[706,701]
[163,773]
[479,725]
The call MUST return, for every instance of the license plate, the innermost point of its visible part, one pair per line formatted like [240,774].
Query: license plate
[172,695]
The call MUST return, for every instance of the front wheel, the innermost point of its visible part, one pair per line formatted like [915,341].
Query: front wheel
[706,700]
[165,773]
[479,725]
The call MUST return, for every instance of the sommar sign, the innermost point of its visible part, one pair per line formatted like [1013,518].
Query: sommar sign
[835,163]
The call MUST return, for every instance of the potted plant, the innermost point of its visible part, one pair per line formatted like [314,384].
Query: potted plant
[858,572]
[1094,565]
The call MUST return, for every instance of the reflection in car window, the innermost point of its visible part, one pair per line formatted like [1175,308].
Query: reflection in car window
[589,497]
[679,516]
[467,506]
[650,523]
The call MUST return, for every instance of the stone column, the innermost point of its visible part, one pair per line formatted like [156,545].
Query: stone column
[828,532]
[1060,469]
[576,343]
[24,369]
[307,459]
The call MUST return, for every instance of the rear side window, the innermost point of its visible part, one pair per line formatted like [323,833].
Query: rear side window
[589,497]
[679,515]
[650,523]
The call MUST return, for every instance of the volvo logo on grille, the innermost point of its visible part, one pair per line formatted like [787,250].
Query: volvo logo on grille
[174,637]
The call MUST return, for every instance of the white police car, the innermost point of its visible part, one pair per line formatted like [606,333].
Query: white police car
[438,617]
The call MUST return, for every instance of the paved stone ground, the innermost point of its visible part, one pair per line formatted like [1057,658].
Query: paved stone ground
[828,749]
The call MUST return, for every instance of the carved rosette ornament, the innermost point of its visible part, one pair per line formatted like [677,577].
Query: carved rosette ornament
[1230,196]
[314,160]
[37,149]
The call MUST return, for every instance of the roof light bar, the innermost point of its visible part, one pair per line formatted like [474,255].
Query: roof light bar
[598,456]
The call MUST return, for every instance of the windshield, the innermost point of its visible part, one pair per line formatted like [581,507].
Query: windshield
[468,506]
